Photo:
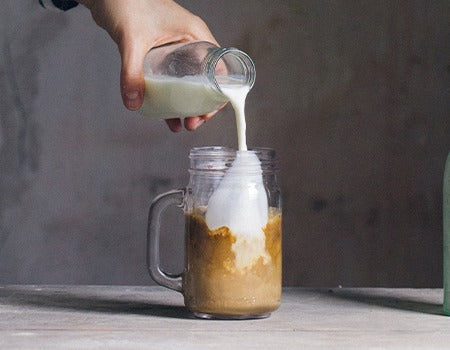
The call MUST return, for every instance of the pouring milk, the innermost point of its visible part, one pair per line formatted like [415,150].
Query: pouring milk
[240,201]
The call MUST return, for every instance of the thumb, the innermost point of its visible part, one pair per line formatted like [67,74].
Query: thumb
[132,75]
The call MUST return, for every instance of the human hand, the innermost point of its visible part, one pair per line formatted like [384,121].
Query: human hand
[138,25]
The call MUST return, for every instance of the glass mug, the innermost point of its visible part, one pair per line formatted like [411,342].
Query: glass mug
[212,283]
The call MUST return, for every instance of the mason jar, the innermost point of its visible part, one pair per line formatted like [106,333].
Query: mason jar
[214,284]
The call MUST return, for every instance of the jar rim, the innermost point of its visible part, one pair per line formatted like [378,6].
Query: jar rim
[220,158]
[205,151]
[224,150]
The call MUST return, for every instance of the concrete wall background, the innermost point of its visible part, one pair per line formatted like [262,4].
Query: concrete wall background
[354,96]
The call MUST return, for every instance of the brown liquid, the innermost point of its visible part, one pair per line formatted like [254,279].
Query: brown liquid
[212,283]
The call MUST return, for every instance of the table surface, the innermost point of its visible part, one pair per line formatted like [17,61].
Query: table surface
[125,317]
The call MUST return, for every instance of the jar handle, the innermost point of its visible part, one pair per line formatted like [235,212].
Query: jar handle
[172,281]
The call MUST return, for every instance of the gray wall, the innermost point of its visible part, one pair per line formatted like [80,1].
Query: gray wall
[354,96]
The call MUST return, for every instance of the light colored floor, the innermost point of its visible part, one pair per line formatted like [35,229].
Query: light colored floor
[121,317]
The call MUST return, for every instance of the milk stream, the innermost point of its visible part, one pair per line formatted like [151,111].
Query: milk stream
[237,95]
[240,201]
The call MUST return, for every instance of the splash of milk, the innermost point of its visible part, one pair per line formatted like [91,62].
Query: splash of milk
[240,200]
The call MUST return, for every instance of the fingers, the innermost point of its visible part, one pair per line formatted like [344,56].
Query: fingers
[200,31]
[192,123]
[132,73]
[208,116]
[174,124]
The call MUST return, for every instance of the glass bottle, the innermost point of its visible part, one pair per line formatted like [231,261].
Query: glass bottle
[212,283]
[185,79]
[446,222]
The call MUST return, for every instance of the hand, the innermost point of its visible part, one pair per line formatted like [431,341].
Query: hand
[138,25]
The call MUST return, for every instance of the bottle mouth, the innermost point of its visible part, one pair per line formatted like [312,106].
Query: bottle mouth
[218,159]
[228,67]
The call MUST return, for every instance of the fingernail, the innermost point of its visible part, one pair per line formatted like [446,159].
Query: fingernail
[132,95]
[132,99]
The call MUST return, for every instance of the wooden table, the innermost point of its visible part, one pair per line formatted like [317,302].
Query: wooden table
[121,317]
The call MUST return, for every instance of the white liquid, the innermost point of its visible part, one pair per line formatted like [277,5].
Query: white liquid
[170,97]
[240,201]
[237,95]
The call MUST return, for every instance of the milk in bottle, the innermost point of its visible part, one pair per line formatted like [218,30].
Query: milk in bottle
[183,80]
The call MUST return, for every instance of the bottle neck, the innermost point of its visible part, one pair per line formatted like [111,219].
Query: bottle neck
[224,67]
